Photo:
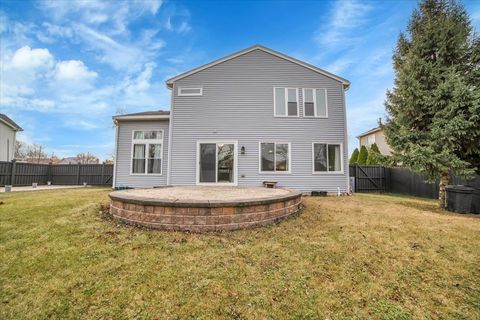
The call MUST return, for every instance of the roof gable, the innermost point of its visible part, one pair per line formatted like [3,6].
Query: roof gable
[9,122]
[345,82]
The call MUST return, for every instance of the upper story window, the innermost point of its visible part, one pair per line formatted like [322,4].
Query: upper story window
[286,102]
[147,152]
[275,157]
[315,103]
[370,140]
[182,91]
[327,158]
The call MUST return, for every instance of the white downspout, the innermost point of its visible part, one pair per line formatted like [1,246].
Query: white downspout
[115,155]
[170,129]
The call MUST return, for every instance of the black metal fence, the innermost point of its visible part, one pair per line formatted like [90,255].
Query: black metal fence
[22,174]
[399,180]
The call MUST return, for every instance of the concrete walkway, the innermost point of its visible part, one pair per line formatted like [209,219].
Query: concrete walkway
[39,188]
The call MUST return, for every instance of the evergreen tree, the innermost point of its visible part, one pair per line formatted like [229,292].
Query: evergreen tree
[354,157]
[374,155]
[433,109]
[363,155]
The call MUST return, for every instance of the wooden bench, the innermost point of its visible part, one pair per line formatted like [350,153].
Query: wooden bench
[270,184]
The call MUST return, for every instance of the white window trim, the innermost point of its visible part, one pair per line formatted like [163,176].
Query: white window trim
[180,94]
[370,139]
[146,142]
[289,161]
[313,158]
[235,163]
[314,90]
[286,103]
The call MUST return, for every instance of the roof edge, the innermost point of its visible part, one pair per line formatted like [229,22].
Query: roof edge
[344,81]
[141,117]
[369,132]
[15,127]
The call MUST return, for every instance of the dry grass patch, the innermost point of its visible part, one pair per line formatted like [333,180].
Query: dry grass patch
[366,256]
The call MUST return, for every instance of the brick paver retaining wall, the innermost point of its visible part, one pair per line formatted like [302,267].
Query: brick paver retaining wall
[203,216]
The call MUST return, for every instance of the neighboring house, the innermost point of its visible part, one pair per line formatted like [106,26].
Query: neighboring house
[375,135]
[8,131]
[256,115]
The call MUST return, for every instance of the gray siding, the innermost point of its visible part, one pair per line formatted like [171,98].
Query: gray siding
[124,155]
[7,142]
[237,104]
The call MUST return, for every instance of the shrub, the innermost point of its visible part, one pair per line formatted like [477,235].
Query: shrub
[363,155]
[354,157]
[374,156]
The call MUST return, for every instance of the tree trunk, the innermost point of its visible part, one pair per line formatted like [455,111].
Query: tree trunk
[444,181]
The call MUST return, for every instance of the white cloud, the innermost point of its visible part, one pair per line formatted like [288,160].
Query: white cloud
[141,82]
[115,16]
[26,58]
[168,24]
[344,16]
[151,5]
[128,57]
[31,79]
[57,30]
[339,65]
[184,27]
[73,70]
[81,125]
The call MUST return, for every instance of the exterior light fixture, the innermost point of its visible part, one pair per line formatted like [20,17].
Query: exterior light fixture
[242,150]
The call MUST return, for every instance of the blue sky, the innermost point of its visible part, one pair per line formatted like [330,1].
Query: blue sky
[67,67]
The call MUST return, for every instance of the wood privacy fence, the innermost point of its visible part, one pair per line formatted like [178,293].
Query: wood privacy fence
[399,180]
[23,174]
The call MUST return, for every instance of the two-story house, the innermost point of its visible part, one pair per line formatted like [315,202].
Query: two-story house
[256,115]
[8,131]
[375,135]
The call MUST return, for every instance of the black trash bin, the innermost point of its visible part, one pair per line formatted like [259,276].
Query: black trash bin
[476,201]
[460,199]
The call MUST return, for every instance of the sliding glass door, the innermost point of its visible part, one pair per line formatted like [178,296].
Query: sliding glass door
[216,162]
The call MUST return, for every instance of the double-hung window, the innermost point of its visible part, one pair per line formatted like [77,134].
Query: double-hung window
[286,102]
[315,103]
[275,157]
[147,151]
[327,158]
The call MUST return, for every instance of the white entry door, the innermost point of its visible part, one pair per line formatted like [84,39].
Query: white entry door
[217,162]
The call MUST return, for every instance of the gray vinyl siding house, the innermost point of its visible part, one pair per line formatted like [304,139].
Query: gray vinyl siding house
[231,103]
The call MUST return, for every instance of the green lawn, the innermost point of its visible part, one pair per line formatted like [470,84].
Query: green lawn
[365,256]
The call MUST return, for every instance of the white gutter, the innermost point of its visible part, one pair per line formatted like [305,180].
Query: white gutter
[16,129]
[141,117]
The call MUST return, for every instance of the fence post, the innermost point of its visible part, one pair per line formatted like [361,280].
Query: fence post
[78,173]
[384,180]
[12,174]
[49,172]
[356,177]
[103,172]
